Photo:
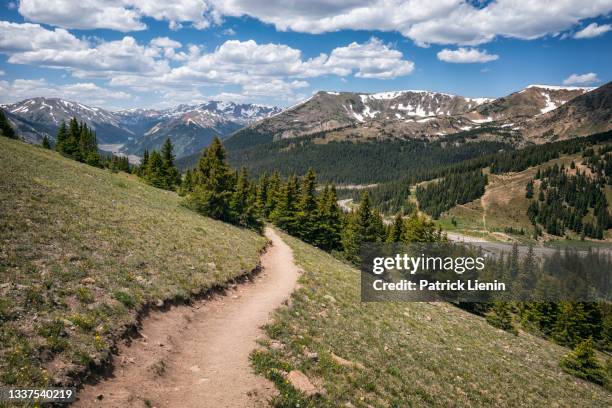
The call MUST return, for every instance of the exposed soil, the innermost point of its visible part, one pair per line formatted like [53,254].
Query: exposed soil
[198,355]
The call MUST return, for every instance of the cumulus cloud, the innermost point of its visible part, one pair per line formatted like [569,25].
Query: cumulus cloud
[459,22]
[373,59]
[86,92]
[242,62]
[583,79]
[120,15]
[593,30]
[464,55]
[35,45]
[165,64]
[440,22]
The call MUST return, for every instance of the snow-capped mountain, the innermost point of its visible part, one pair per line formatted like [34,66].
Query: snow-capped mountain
[46,114]
[416,113]
[130,131]
[528,103]
[403,111]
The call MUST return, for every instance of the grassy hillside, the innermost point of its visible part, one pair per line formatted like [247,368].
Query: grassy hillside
[504,204]
[82,250]
[406,354]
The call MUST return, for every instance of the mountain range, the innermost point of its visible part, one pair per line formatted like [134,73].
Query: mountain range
[190,127]
[535,114]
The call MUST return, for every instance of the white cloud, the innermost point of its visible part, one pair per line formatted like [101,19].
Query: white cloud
[85,92]
[584,79]
[464,55]
[229,32]
[373,59]
[459,22]
[2,73]
[34,45]
[120,15]
[440,22]
[593,30]
[242,62]
[15,37]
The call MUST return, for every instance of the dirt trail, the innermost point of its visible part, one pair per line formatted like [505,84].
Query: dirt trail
[198,355]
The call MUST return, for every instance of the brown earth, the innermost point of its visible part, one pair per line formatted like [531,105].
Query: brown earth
[198,355]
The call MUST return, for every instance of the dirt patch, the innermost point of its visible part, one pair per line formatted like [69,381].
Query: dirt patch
[198,355]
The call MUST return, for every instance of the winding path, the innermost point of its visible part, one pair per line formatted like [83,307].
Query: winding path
[198,355]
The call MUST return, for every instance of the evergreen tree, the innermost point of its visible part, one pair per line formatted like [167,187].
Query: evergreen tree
[364,226]
[5,127]
[396,230]
[155,173]
[307,222]
[582,363]
[62,137]
[500,316]
[330,218]
[272,194]
[173,177]
[242,204]
[45,143]
[529,190]
[215,183]
[285,210]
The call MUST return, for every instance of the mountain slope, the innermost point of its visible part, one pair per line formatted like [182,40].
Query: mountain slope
[405,354]
[401,112]
[46,114]
[528,103]
[586,114]
[83,251]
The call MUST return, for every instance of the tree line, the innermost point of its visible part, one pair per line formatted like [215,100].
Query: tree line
[439,196]
[575,202]
[392,196]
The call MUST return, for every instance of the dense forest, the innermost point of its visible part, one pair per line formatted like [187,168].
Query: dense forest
[570,200]
[392,196]
[349,162]
[438,196]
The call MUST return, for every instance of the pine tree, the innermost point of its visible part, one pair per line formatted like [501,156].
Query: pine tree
[307,222]
[45,142]
[364,226]
[262,193]
[529,190]
[583,363]
[500,316]
[172,173]
[155,173]
[272,194]
[215,183]
[397,229]
[285,210]
[5,127]
[62,137]
[330,218]
[71,145]
[242,203]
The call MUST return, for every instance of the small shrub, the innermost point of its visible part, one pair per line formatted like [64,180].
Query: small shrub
[499,316]
[582,363]
[84,295]
[83,321]
[126,298]
[54,334]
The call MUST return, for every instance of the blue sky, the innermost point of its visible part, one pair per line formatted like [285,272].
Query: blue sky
[139,53]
